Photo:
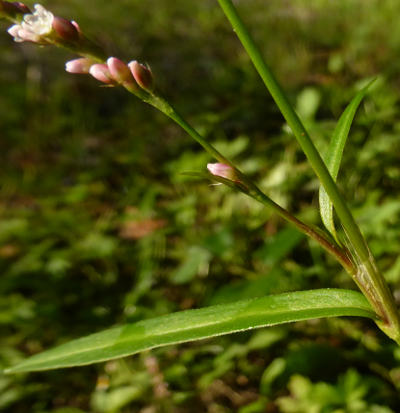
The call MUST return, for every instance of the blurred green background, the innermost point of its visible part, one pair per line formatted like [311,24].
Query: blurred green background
[99,227]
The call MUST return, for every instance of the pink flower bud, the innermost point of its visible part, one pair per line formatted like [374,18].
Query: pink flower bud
[222,170]
[23,8]
[76,25]
[65,29]
[12,9]
[79,66]
[142,75]
[120,71]
[101,72]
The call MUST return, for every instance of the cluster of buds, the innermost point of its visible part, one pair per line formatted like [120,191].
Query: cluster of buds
[41,26]
[115,71]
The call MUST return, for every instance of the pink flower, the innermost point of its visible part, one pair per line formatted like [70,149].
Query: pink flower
[65,29]
[76,25]
[120,72]
[79,66]
[222,170]
[142,75]
[101,72]
[13,9]
[23,8]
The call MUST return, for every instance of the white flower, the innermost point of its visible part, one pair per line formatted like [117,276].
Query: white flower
[40,22]
[14,32]
[22,35]
[34,26]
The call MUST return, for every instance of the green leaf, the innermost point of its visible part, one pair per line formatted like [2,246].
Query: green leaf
[199,324]
[334,157]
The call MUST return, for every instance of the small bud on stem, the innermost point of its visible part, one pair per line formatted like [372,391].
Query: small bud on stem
[79,66]
[23,8]
[142,75]
[121,73]
[222,170]
[13,9]
[65,29]
[76,25]
[101,72]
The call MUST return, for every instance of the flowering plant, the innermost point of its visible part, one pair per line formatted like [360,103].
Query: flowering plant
[351,251]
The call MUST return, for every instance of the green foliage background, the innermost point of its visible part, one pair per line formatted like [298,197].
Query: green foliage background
[98,226]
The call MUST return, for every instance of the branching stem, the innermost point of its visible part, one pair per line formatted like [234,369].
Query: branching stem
[247,186]
[371,282]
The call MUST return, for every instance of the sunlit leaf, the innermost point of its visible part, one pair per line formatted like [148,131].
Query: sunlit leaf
[334,156]
[199,324]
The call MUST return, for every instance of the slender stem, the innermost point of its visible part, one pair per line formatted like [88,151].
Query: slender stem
[376,290]
[372,282]
[297,127]
[340,254]
[247,186]
[166,108]
[88,48]
[389,312]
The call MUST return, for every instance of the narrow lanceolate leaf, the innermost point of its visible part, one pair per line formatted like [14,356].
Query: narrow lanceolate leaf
[334,155]
[199,324]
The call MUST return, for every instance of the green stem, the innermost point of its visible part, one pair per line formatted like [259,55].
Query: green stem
[372,283]
[162,105]
[340,254]
[247,186]
[297,127]
[90,49]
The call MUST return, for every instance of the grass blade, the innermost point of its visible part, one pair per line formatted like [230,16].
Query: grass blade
[199,324]
[334,157]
